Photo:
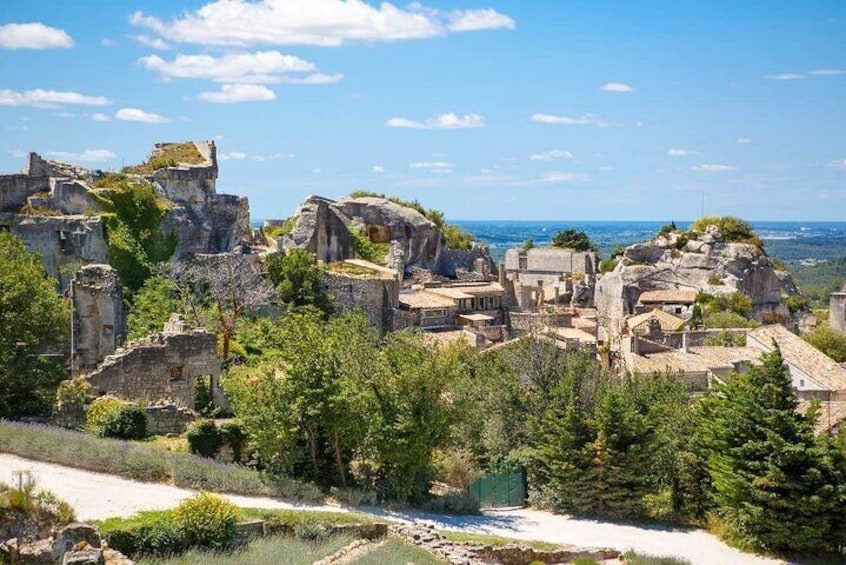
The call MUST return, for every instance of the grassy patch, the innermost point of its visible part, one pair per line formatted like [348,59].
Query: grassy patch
[633,558]
[395,551]
[298,517]
[350,270]
[168,156]
[278,231]
[497,541]
[266,551]
[144,461]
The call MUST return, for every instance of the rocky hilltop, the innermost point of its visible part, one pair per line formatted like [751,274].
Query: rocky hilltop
[704,261]
[59,210]
[371,228]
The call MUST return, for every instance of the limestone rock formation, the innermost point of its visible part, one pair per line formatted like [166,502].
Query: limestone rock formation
[707,263]
[329,228]
[51,207]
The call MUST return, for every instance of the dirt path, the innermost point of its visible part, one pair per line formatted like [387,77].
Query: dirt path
[96,496]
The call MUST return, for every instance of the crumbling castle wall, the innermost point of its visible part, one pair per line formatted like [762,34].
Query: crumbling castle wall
[98,315]
[377,298]
[163,366]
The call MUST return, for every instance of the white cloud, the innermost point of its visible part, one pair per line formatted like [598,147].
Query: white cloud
[136,115]
[232,156]
[258,67]
[431,165]
[477,20]
[152,42]
[327,23]
[33,36]
[107,42]
[838,164]
[98,117]
[377,169]
[317,171]
[552,155]
[65,114]
[583,120]
[711,168]
[743,140]
[552,178]
[313,79]
[616,87]
[443,121]
[87,156]
[49,98]
[807,74]
[230,93]
[682,153]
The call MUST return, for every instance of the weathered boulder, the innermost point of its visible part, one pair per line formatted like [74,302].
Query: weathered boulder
[75,536]
[328,228]
[707,263]
[84,555]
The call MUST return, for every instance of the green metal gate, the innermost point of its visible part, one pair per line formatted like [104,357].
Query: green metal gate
[500,490]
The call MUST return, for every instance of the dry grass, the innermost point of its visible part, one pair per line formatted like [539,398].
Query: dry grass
[168,156]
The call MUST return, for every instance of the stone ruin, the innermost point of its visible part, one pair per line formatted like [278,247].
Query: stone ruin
[837,310]
[49,206]
[99,318]
[164,366]
[74,544]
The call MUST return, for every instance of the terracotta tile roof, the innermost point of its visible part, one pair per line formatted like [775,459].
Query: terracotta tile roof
[469,290]
[696,360]
[424,299]
[477,317]
[831,414]
[574,333]
[668,322]
[801,354]
[668,297]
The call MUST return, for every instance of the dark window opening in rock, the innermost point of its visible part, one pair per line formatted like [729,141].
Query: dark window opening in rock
[176,373]
[63,241]
[108,329]
[678,310]
[524,263]
[407,232]
[378,234]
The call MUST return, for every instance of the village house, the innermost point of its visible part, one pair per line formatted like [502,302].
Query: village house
[549,275]
[676,302]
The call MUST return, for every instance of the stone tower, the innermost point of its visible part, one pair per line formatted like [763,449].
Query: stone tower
[837,310]
[99,320]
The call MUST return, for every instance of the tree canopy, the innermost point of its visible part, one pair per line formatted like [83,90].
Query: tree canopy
[573,239]
[33,320]
[299,280]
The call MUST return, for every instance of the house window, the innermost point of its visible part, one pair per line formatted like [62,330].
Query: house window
[678,309]
[524,263]
[491,302]
[801,383]
[472,303]
[176,373]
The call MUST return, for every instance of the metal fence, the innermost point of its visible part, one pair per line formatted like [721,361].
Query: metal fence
[501,490]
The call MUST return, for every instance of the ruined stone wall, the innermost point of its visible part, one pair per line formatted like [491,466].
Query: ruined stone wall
[63,242]
[98,315]
[377,298]
[167,419]
[161,367]
[837,311]
[452,261]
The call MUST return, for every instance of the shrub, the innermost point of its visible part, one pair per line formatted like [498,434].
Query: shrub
[725,338]
[99,410]
[149,534]
[667,229]
[829,341]
[311,532]
[207,521]
[37,505]
[235,437]
[732,229]
[204,438]
[72,393]
[528,244]
[715,280]
[728,320]
[796,303]
[203,399]
[455,468]
[607,265]
[573,239]
[126,422]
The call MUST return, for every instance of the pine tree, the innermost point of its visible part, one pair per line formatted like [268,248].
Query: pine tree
[775,486]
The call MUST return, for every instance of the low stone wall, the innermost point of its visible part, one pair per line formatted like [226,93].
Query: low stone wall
[168,419]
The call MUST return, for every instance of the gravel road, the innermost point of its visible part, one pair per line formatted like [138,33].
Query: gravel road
[96,496]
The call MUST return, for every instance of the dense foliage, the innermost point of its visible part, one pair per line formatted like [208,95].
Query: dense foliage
[34,320]
[774,485]
[126,422]
[207,521]
[819,280]
[133,227]
[298,279]
[152,306]
[829,341]
[573,239]
[454,236]
[733,229]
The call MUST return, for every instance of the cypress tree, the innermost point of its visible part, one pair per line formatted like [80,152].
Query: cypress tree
[775,486]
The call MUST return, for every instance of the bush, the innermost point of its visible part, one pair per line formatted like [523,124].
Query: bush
[528,244]
[829,341]
[455,468]
[235,437]
[456,503]
[72,393]
[148,534]
[573,239]
[725,338]
[203,400]
[715,280]
[207,521]
[728,320]
[204,438]
[99,410]
[311,532]
[608,265]
[126,422]
[796,304]
[732,229]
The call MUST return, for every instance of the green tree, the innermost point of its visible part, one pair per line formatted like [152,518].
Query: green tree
[573,239]
[774,485]
[33,320]
[829,341]
[151,307]
[299,280]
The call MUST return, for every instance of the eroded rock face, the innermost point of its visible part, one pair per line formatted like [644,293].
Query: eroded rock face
[707,264]
[325,227]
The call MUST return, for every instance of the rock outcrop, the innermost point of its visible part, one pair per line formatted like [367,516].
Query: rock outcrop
[329,228]
[707,263]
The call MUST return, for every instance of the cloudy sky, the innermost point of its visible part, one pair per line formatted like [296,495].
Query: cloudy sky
[488,109]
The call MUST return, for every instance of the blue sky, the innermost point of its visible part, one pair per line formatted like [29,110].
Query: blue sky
[489,109]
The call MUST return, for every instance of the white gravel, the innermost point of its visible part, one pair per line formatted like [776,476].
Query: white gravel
[96,496]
